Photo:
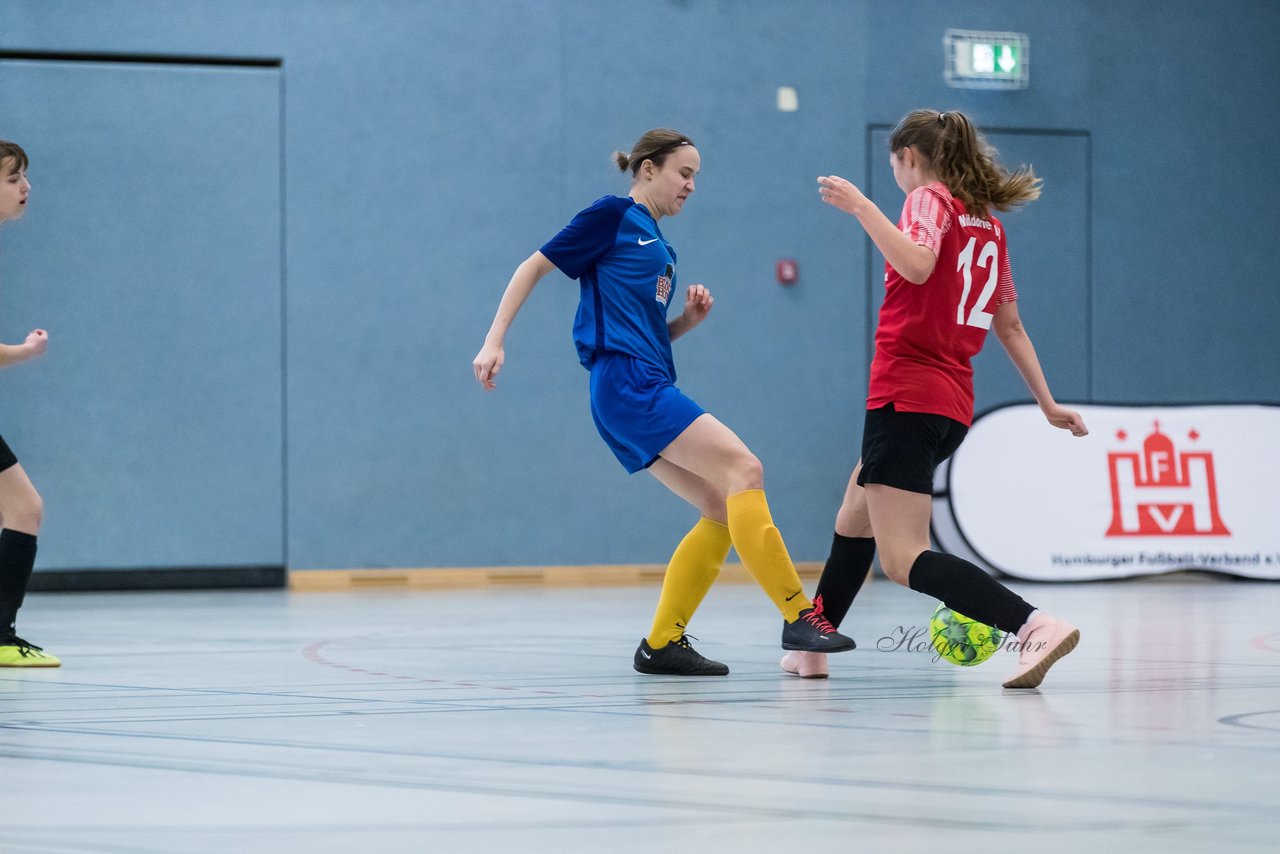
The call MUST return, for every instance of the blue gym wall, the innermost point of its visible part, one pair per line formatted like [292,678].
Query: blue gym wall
[423,149]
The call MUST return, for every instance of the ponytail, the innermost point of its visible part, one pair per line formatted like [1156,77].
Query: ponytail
[965,161]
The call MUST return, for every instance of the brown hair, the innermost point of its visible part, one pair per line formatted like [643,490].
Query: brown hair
[12,149]
[655,145]
[965,161]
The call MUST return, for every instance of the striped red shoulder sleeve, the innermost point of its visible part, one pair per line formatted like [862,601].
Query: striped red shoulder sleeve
[926,216]
[1005,291]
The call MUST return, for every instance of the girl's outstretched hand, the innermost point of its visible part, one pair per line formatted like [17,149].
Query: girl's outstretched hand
[37,342]
[486,365]
[838,192]
[1066,419]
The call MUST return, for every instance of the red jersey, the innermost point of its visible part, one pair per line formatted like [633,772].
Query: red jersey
[929,332]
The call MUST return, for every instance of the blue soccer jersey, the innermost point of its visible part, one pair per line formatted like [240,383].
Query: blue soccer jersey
[627,273]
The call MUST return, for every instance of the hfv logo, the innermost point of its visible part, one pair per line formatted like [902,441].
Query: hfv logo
[1161,492]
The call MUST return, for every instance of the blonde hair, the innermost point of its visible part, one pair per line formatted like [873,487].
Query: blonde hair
[965,161]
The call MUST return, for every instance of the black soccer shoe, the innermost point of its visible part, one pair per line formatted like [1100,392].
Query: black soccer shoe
[677,658]
[813,632]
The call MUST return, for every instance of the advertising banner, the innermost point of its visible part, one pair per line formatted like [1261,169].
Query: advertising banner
[1151,489]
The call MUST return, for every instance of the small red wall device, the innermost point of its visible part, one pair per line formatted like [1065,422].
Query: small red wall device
[788,271]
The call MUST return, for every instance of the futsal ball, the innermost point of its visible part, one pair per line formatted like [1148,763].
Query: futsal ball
[961,640]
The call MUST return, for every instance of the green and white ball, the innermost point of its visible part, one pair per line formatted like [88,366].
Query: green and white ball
[961,640]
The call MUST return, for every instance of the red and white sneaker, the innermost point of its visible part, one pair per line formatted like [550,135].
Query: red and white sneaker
[1042,642]
[806,665]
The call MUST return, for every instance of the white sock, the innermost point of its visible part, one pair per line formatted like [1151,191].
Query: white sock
[1030,620]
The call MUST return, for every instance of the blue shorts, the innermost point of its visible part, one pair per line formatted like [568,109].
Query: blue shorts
[637,409]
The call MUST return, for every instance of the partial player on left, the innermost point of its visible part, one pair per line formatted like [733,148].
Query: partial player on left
[21,508]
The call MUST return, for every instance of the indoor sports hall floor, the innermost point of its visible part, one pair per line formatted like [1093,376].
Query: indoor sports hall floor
[510,720]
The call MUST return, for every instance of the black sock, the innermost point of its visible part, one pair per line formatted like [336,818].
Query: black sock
[842,577]
[17,557]
[965,588]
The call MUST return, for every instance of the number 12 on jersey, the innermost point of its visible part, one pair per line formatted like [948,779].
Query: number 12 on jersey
[987,259]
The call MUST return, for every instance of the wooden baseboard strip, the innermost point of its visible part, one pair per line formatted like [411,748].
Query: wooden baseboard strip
[505,576]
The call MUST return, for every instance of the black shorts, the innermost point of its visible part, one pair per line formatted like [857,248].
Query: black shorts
[7,459]
[901,449]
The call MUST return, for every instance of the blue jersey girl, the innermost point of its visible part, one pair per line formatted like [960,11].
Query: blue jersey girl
[627,276]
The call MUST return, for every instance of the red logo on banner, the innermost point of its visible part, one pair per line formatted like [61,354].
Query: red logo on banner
[1163,493]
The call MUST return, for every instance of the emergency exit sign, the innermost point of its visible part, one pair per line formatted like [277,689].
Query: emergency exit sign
[983,60]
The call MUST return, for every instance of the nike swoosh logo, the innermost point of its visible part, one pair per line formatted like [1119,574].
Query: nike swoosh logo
[647,242]
[794,595]
[645,654]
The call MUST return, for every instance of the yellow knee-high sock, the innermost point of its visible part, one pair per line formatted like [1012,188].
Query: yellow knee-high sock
[694,566]
[764,554]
